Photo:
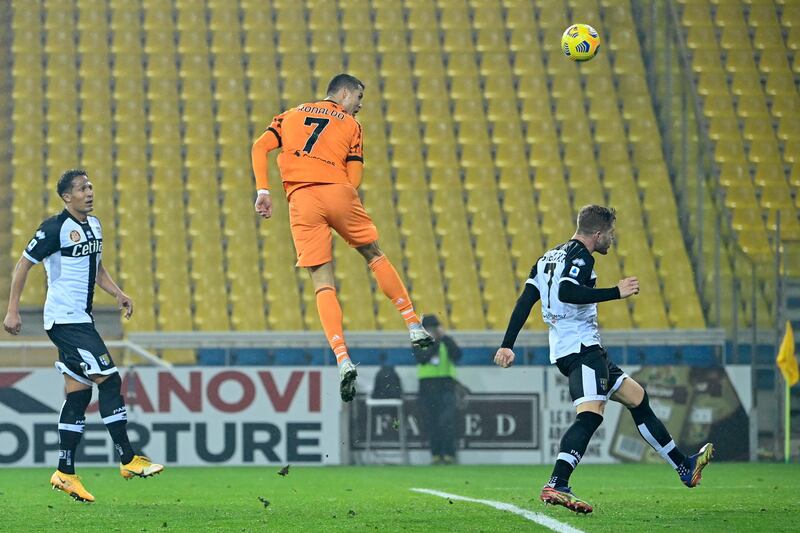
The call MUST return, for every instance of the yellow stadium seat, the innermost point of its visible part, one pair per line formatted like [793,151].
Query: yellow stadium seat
[706,60]
[396,65]
[424,40]
[788,129]
[780,83]
[456,16]
[127,41]
[359,39]
[762,15]
[160,42]
[429,68]
[127,71]
[730,14]
[768,39]
[457,40]
[391,40]
[487,15]
[732,173]
[790,225]
[758,130]
[491,40]
[712,84]
[785,106]
[730,38]
[777,195]
[355,16]
[225,41]
[223,17]
[420,15]
[461,64]
[93,41]
[723,128]
[696,15]
[95,70]
[27,41]
[182,107]
[325,40]
[763,150]
[28,18]
[769,173]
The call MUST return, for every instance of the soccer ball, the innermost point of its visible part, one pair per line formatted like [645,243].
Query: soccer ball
[580,42]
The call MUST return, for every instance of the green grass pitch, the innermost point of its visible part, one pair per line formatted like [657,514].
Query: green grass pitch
[732,497]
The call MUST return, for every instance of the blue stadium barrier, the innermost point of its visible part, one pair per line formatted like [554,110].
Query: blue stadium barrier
[382,356]
[476,356]
[696,355]
[616,353]
[211,356]
[252,357]
[765,378]
[298,357]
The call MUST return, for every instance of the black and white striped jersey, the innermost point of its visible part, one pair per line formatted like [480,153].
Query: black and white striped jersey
[570,324]
[71,251]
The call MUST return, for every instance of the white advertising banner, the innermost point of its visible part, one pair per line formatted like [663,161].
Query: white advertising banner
[293,415]
[518,416]
[185,416]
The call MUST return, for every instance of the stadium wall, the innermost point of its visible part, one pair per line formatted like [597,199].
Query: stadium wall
[293,415]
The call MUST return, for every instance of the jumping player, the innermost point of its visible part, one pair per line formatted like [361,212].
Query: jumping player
[321,164]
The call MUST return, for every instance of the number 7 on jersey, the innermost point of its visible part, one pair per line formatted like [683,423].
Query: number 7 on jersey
[312,139]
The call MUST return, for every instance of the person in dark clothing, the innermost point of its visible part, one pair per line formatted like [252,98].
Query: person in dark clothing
[437,390]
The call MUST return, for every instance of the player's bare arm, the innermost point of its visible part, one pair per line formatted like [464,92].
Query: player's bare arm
[106,282]
[13,322]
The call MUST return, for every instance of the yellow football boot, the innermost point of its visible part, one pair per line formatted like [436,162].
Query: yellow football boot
[71,484]
[140,466]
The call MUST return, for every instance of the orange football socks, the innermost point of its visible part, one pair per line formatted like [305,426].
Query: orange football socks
[330,314]
[394,289]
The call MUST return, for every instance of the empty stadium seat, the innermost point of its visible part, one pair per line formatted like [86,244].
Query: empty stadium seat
[468,103]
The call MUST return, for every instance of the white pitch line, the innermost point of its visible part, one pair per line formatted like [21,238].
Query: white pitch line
[544,520]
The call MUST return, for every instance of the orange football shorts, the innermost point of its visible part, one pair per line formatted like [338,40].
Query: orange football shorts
[316,209]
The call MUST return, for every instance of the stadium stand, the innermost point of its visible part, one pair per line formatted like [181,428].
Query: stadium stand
[482,142]
[742,69]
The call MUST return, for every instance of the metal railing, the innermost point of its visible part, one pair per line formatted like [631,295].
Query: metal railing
[135,348]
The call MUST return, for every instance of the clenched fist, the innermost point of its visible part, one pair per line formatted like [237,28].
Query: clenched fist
[628,287]
[504,357]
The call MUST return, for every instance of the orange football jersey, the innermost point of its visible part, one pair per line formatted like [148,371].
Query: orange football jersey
[317,141]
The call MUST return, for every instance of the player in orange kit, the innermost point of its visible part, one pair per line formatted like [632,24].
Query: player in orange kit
[321,163]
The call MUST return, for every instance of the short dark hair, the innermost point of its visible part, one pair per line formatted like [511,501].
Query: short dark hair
[344,81]
[65,181]
[592,218]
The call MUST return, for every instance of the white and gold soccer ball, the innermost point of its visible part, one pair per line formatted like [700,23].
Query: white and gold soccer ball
[580,42]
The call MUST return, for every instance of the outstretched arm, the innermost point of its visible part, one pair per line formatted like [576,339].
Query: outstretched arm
[530,295]
[106,283]
[573,293]
[13,322]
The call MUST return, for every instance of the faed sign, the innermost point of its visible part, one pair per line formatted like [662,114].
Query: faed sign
[185,416]
[489,421]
